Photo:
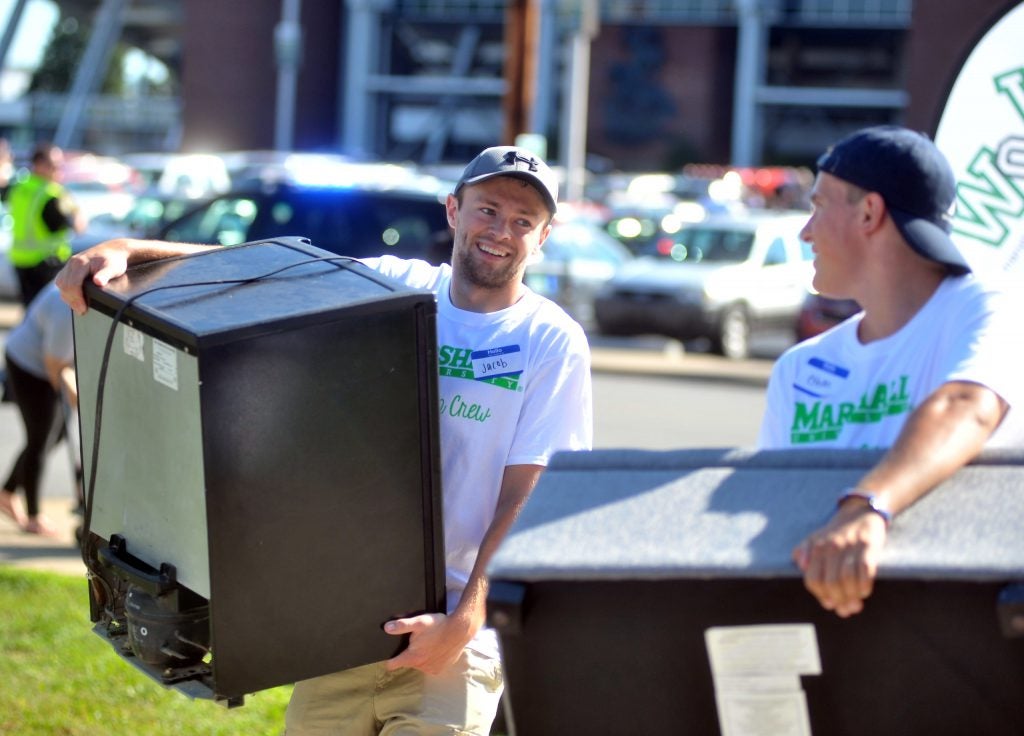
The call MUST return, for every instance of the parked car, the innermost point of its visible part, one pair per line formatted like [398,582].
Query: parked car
[99,184]
[819,313]
[718,279]
[577,259]
[636,229]
[359,210]
[149,213]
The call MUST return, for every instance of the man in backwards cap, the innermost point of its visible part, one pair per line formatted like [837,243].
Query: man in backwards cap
[498,429]
[926,369]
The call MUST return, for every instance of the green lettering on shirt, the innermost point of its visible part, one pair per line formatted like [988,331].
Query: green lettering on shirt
[822,421]
[453,362]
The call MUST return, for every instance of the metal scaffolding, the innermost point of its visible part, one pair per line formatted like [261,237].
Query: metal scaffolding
[106,30]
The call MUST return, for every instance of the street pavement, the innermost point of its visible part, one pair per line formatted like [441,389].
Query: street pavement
[61,554]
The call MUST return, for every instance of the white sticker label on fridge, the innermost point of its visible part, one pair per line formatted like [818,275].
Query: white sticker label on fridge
[133,343]
[165,364]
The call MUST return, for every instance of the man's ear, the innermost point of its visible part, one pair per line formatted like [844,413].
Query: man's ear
[873,212]
[543,236]
[451,208]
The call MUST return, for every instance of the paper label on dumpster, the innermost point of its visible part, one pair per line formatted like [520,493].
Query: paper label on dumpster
[133,342]
[763,714]
[756,672]
[767,684]
[165,364]
[763,650]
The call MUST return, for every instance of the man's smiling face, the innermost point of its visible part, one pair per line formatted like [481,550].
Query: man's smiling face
[499,223]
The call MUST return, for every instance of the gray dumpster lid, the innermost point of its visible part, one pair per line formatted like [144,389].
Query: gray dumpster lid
[705,513]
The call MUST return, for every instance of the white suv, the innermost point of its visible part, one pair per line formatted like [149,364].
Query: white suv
[719,279]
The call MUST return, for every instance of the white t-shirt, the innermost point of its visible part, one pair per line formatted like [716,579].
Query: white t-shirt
[514,387]
[834,391]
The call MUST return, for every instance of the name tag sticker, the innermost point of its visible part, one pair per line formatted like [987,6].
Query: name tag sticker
[819,378]
[494,362]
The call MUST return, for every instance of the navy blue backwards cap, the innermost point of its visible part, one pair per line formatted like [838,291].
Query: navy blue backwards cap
[515,162]
[914,179]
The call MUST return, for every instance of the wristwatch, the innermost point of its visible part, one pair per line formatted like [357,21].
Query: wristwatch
[873,501]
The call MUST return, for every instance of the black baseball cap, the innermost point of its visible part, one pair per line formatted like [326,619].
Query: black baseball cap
[914,179]
[516,162]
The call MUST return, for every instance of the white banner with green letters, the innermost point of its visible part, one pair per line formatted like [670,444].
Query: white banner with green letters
[982,134]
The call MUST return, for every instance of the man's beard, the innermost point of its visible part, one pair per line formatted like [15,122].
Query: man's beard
[486,276]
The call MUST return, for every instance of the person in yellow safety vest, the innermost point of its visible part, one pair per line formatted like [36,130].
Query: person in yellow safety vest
[43,215]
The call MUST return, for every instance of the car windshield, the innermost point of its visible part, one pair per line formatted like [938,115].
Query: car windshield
[349,221]
[705,245]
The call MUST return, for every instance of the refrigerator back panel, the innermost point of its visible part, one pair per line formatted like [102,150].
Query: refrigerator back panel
[153,490]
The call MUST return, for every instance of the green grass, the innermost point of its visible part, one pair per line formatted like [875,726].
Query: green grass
[57,678]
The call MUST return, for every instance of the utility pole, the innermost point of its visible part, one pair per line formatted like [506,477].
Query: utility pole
[746,116]
[288,52]
[521,34]
[574,133]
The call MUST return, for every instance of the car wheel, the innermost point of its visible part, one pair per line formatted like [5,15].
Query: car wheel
[733,339]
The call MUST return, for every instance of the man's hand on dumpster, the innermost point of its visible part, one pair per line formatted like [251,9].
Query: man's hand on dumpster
[435,641]
[839,561]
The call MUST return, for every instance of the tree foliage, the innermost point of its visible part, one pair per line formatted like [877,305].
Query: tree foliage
[64,52]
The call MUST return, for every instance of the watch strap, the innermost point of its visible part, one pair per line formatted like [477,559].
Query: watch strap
[873,501]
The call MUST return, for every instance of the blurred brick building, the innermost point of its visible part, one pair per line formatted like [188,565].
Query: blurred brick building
[670,81]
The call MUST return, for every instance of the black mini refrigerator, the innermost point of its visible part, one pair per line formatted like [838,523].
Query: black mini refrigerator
[654,593]
[265,489]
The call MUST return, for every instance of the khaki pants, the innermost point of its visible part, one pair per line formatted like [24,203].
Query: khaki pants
[369,700]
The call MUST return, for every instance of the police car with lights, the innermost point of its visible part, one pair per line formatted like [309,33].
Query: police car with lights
[350,208]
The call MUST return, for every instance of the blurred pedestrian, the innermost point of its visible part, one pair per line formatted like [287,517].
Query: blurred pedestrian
[40,373]
[6,166]
[44,216]
[929,370]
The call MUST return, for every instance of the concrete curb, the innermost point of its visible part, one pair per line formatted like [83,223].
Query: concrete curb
[693,366]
